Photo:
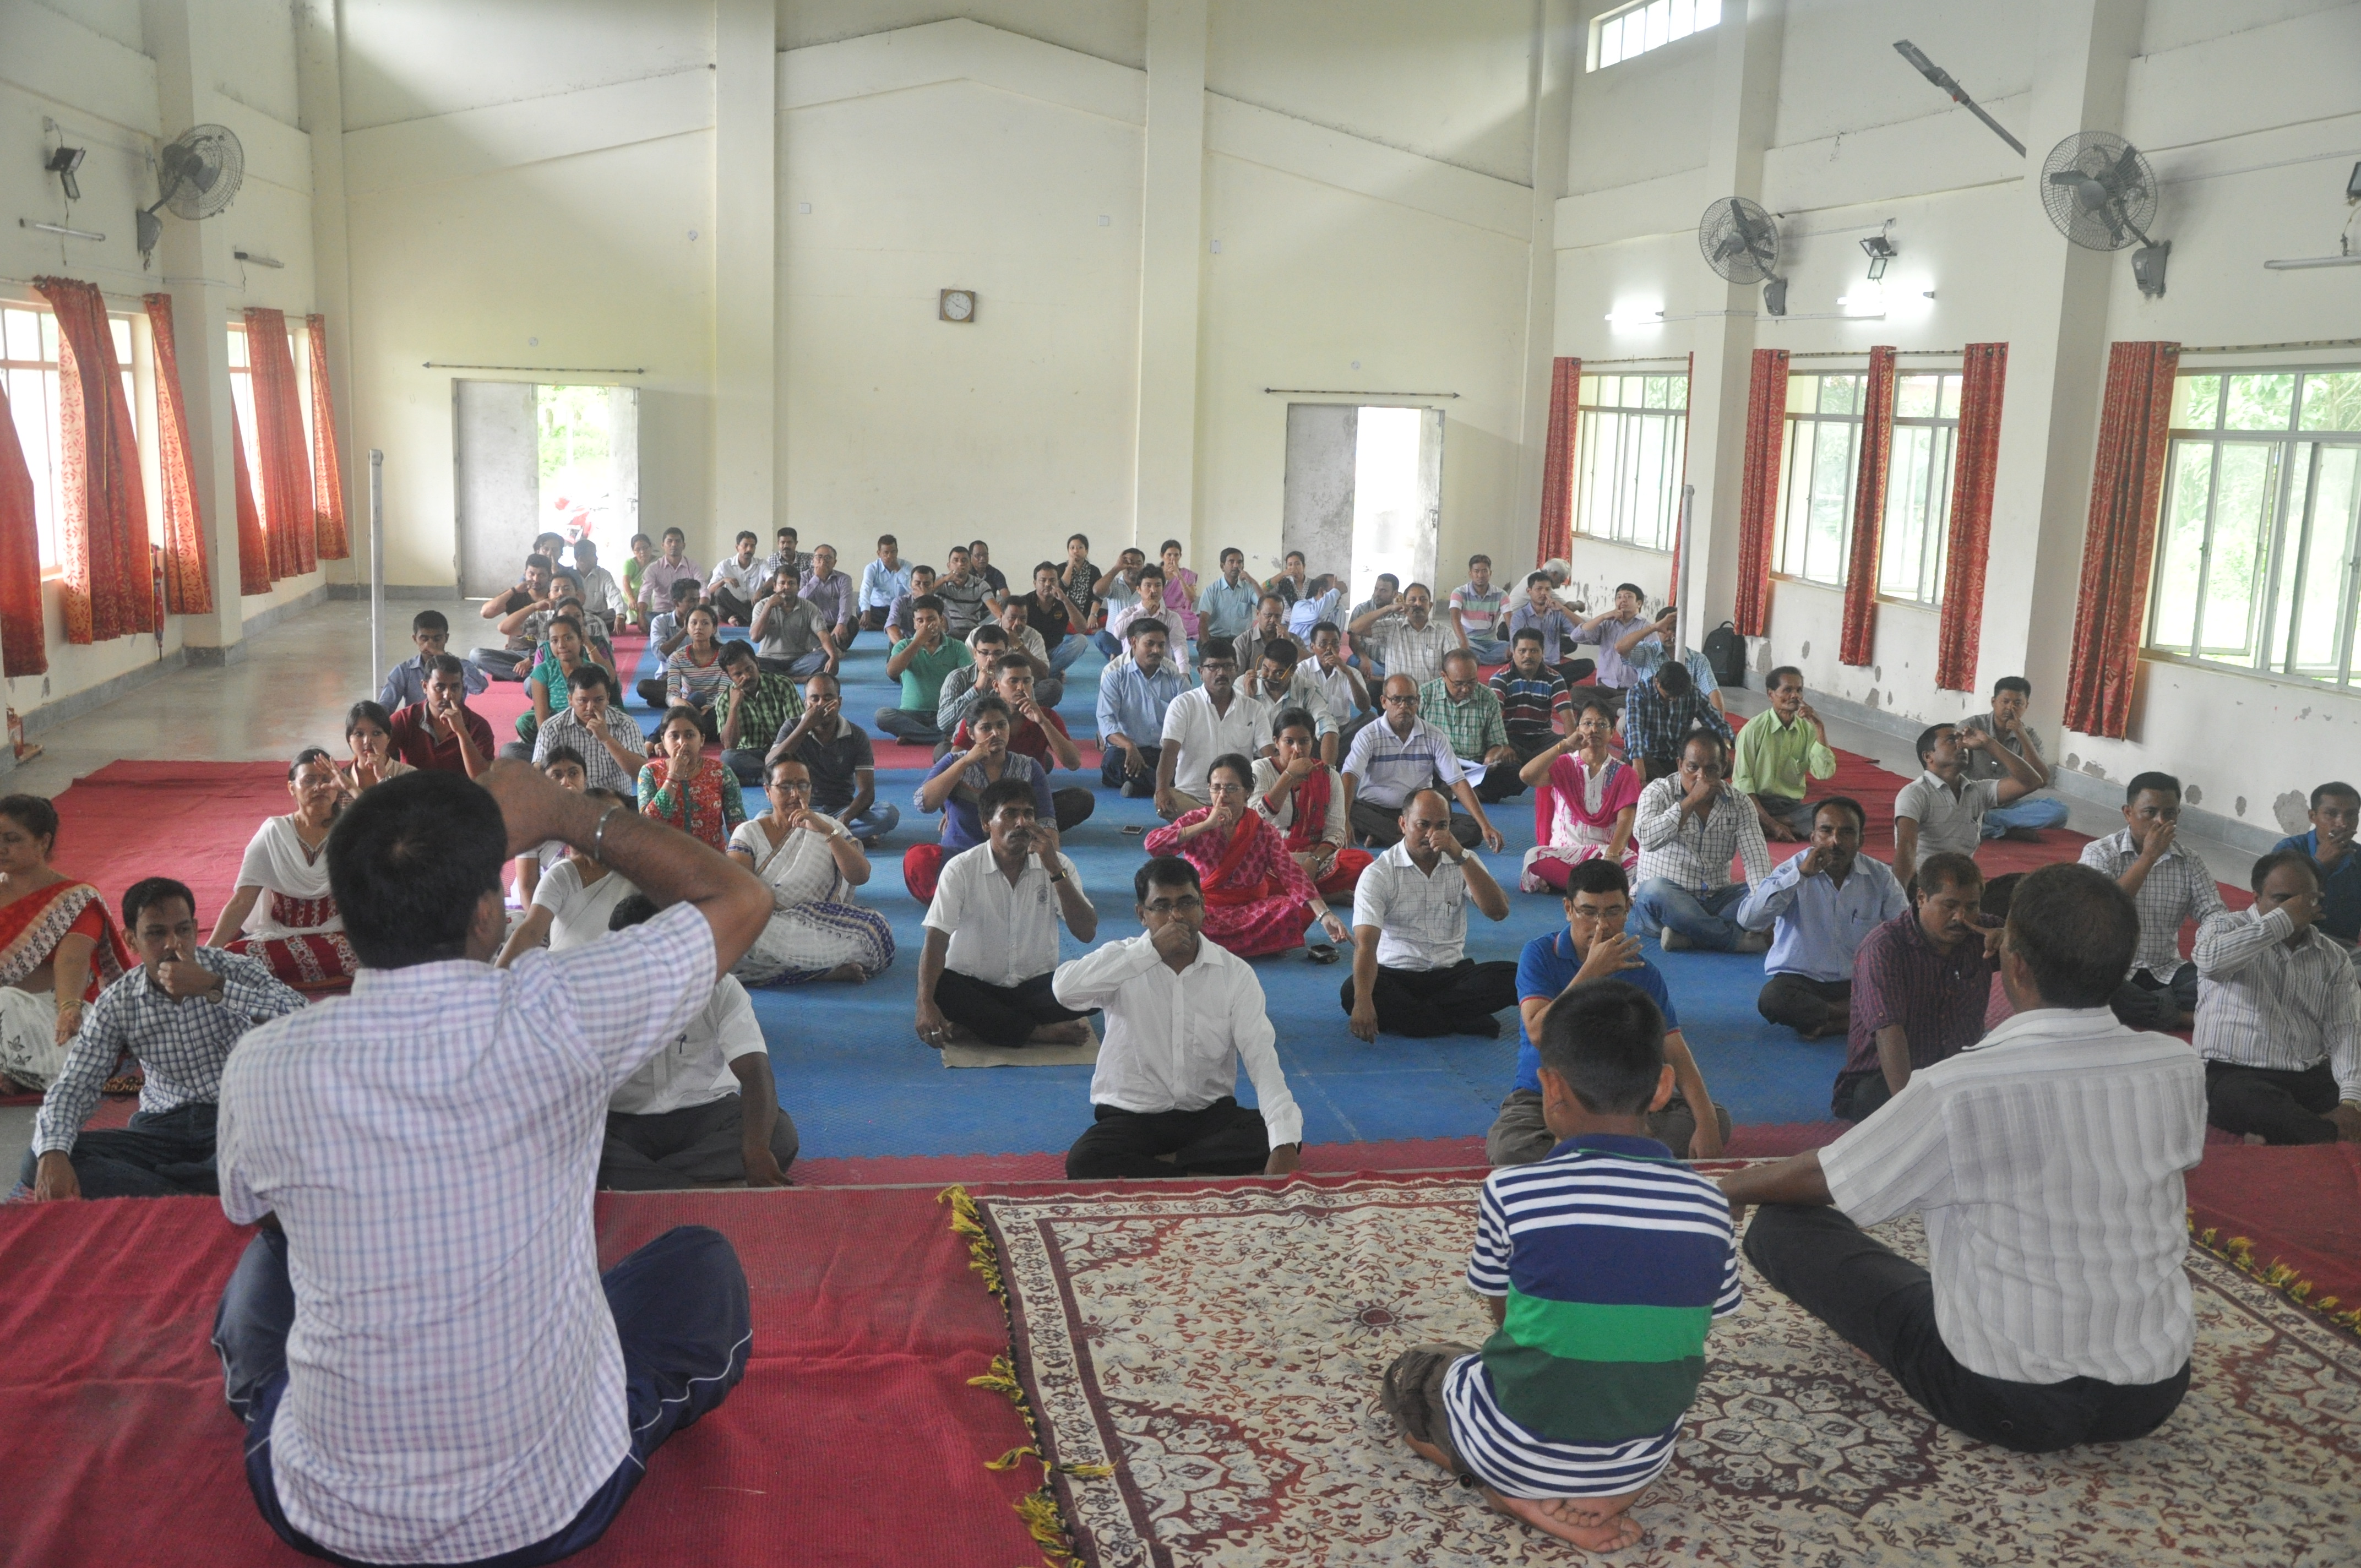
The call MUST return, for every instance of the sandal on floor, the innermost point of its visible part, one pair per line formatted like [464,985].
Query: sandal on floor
[1321,952]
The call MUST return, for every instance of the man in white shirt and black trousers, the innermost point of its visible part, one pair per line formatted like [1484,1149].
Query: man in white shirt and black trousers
[1181,1013]
[429,1364]
[992,932]
[2047,1160]
[1411,975]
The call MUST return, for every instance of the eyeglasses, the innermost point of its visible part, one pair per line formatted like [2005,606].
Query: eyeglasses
[1404,700]
[1174,905]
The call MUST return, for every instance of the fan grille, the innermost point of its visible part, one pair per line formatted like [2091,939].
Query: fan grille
[2099,191]
[201,171]
[1738,240]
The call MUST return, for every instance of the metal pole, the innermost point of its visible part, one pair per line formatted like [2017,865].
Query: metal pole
[377,560]
[1689,551]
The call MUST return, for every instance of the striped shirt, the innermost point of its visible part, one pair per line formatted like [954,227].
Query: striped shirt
[1413,650]
[1694,854]
[2262,1004]
[1531,708]
[1655,725]
[2178,888]
[599,769]
[1614,1259]
[1386,769]
[1421,917]
[1902,980]
[2047,1162]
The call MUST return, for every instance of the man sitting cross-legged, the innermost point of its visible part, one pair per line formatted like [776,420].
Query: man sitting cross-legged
[424,1377]
[955,787]
[1602,1266]
[1943,808]
[2169,887]
[1468,712]
[2279,1017]
[1202,723]
[1326,685]
[406,682]
[750,711]
[1181,1013]
[992,932]
[2335,816]
[1920,984]
[2048,1165]
[791,636]
[1395,758]
[703,1111]
[1779,752]
[510,611]
[610,746]
[1689,826]
[1411,975]
[179,1014]
[1660,709]
[1820,907]
[1135,692]
[920,661]
[2025,816]
[441,732]
[1594,946]
[842,764]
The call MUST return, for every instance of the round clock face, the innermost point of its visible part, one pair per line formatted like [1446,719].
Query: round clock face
[957,305]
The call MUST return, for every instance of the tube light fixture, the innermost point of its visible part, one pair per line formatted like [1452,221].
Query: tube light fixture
[2301,263]
[254,261]
[1635,315]
[58,229]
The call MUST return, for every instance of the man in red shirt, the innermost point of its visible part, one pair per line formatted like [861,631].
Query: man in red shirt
[1038,734]
[442,733]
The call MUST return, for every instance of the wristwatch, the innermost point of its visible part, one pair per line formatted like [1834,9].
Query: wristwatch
[1058,875]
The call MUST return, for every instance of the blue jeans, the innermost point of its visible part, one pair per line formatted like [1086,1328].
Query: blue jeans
[1116,774]
[1697,915]
[1106,644]
[2031,811]
[162,1154]
[1069,648]
[802,667]
[681,1313]
[1489,651]
[913,725]
[872,823]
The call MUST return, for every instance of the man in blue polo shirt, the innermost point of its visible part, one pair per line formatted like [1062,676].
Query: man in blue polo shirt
[2335,814]
[1593,947]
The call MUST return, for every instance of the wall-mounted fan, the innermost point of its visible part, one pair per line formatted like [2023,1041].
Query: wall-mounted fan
[1741,242]
[2101,193]
[198,172]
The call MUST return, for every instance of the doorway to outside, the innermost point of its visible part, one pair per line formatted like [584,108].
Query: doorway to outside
[1364,491]
[536,458]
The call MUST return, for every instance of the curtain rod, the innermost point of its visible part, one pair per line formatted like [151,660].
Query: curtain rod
[1863,353]
[2272,347]
[545,369]
[1337,392]
[1639,359]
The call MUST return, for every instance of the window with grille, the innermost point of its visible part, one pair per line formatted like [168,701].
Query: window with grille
[30,369]
[1627,451]
[2258,541]
[1649,24]
[1919,485]
[1823,446]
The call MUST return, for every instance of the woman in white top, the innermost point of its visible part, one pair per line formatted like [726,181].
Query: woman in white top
[812,865]
[571,902]
[297,929]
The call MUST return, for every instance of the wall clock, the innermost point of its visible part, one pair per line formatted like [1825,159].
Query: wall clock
[957,305]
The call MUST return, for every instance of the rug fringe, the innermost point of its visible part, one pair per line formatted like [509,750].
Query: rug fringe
[1039,1509]
[2239,1253]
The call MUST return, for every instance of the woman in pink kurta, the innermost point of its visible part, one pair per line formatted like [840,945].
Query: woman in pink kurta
[1258,900]
[1588,798]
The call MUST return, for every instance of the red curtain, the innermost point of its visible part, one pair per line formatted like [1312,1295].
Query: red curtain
[253,546]
[2119,542]
[279,440]
[102,532]
[1557,462]
[1758,492]
[188,586]
[1858,643]
[327,468]
[1958,634]
[22,645]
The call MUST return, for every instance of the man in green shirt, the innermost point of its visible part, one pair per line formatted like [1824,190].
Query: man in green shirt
[751,708]
[1779,748]
[1466,711]
[920,661]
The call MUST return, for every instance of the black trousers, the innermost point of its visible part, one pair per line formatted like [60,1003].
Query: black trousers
[168,1154]
[695,1145]
[1074,807]
[1423,1003]
[732,608]
[1504,781]
[2284,1107]
[1226,1138]
[1383,825]
[1806,1005]
[1882,1302]
[2144,1001]
[1002,1015]
[1859,1094]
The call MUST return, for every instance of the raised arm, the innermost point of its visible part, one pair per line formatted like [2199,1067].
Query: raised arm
[231,924]
[530,933]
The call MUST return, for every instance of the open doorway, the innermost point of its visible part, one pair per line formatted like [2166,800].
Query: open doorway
[1364,491]
[536,458]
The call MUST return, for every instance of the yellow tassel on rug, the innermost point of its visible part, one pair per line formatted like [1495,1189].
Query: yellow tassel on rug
[2239,1253]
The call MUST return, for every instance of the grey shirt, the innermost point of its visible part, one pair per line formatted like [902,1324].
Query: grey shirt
[1983,764]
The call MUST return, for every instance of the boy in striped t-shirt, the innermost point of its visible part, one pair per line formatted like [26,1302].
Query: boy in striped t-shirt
[1603,1265]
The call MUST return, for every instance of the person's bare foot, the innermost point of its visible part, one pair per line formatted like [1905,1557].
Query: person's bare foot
[10,1086]
[1558,1516]
[1076,1033]
[851,973]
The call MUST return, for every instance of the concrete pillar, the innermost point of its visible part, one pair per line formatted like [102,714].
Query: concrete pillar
[1744,105]
[188,257]
[1172,242]
[319,108]
[1560,37]
[745,272]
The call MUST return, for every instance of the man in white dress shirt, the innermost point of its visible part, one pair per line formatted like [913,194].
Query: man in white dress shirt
[738,583]
[2279,1014]
[703,1111]
[1411,975]
[1181,1013]
[429,1364]
[992,932]
[1205,722]
[2046,1160]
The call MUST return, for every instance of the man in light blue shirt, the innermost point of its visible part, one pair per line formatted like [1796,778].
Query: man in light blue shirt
[1539,612]
[1818,908]
[1134,692]
[1226,607]
[883,581]
[1615,671]
[1320,602]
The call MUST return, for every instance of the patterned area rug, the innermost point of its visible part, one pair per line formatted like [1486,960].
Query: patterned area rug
[1222,1349]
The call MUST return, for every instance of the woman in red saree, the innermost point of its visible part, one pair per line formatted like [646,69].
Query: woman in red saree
[284,912]
[1303,799]
[58,948]
[1258,900]
[1589,796]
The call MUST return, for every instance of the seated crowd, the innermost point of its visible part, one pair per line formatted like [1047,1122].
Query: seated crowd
[1301,756]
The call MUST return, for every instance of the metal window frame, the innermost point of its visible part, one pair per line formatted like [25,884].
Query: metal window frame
[1853,470]
[1676,420]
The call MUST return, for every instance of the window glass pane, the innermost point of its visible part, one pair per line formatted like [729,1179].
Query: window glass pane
[2332,402]
[1840,394]
[1660,16]
[2236,562]
[120,328]
[1589,391]
[1657,391]
[20,335]
[1802,394]
[1683,18]
[1796,496]
[2190,484]
[2260,402]
[2324,555]
[1949,406]
[1610,41]
[1709,13]
[237,348]
[1914,397]
[49,325]
[2196,402]
[1832,463]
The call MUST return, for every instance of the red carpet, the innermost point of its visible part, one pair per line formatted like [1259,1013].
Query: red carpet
[853,1440]
[190,820]
[2297,1209]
